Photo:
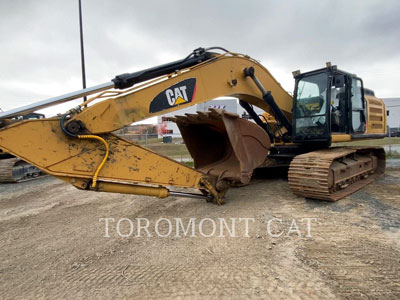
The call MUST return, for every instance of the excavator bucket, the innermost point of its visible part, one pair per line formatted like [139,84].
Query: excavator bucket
[224,145]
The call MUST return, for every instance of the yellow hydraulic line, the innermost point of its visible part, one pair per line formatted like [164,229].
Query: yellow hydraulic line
[95,137]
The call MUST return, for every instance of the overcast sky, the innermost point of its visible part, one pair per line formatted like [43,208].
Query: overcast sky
[40,51]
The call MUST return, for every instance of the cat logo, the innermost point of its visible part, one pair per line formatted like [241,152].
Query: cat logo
[177,95]
[180,93]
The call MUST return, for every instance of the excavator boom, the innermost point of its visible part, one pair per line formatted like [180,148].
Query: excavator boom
[80,148]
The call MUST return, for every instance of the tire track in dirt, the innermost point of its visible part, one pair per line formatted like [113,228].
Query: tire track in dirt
[353,252]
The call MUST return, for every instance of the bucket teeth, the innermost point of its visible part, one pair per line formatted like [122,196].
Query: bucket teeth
[201,116]
[179,119]
[172,119]
[223,145]
[192,117]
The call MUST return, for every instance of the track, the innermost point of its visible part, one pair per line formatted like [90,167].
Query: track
[335,173]
[17,170]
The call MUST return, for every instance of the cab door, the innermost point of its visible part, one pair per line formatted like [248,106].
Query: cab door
[340,103]
[357,106]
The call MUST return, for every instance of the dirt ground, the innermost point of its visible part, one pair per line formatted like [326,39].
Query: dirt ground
[53,245]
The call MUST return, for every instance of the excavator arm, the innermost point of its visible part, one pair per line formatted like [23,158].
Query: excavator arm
[79,146]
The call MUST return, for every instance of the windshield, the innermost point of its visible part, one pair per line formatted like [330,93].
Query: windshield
[311,105]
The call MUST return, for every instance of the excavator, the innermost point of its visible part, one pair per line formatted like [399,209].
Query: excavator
[328,106]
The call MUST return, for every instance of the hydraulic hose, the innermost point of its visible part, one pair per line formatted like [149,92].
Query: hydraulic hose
[88,136]
[95,137]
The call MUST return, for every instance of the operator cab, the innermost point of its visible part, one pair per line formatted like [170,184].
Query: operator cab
[327,101]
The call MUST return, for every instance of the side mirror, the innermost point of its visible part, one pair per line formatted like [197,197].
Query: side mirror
[387,113]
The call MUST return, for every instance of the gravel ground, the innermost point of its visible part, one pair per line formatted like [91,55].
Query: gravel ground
[53,244]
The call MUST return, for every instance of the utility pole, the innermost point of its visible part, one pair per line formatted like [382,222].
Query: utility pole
[82,50]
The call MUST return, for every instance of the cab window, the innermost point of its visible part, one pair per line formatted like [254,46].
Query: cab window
[357,104]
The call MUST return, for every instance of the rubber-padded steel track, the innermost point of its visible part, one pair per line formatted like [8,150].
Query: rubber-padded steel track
[334,173]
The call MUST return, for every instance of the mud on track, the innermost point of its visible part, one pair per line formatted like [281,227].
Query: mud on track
[52,245]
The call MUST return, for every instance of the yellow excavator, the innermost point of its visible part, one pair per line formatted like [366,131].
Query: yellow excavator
[328,106]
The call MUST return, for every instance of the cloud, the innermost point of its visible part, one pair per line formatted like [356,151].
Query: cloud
[41,53]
